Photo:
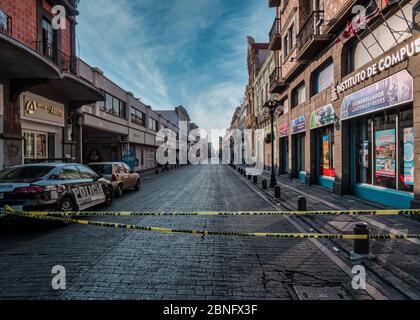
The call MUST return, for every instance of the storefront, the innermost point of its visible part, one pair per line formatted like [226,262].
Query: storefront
[42,128]
[298,148]
[143,145]
[381,146]
[284,148]
[322,139]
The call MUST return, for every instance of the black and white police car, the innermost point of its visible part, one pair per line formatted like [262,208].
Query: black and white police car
[53,186]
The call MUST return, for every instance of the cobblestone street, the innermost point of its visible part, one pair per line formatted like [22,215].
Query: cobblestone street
[117,264]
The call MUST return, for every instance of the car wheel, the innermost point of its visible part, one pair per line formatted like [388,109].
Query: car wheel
[67,205]
[109,197]
[119,191]
[137,187]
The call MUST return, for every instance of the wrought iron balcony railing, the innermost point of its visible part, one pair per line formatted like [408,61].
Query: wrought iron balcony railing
[65,62]
[275,37]
[276,79]
[5,23]
[310,29]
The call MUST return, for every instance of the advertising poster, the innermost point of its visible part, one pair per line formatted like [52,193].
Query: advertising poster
[299,125]
[326,155]
[322,117]
[409,156]
[385,153]
[389,92]
[284,130]
[364,154]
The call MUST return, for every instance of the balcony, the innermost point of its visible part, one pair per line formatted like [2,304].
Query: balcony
[277,82]
[275,37]
[5,24]
[64,62]
[274,3]
[310,40]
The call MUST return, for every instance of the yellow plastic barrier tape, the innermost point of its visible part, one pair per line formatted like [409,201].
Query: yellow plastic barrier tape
[221,233]
[227,213]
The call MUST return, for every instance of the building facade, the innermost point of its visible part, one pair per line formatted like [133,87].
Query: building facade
[256,56]
[349,87]
[40,85]
[120,128]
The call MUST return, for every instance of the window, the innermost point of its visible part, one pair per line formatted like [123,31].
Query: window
[384,149]
[322,78]
[38,146]
[327,167]
[153,124]
[289,40]
[86,173]
[31,172]
[138,117]
[48,39]
[113,105]
[298,95]
[69,173]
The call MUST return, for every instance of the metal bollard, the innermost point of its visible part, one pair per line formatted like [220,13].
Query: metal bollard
[301,204]
[255,179]
[249,177]
[361,247]
[264,184]
[157,171]
[277,192]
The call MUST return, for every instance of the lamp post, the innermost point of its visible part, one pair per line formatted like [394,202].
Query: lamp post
[271,107]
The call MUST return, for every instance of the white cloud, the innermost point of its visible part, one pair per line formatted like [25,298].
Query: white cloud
[175,52]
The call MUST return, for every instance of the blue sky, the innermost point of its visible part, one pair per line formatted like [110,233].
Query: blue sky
[175,52]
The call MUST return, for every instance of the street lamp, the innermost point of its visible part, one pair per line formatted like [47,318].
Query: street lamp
[270,107]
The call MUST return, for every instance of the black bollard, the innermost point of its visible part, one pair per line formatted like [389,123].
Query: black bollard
[277,192]
[361,247]
[249,177]
[301,204]
[157,171]
[255,179]
[264,184]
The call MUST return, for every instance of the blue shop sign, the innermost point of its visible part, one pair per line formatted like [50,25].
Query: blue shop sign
[389,92]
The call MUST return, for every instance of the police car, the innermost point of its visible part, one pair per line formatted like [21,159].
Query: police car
[53,186]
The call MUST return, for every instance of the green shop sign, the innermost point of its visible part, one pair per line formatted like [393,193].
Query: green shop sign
[322,117]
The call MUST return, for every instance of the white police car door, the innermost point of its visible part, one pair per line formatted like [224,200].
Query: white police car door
[87,192]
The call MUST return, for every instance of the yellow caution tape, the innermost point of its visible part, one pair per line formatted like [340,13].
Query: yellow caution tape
[227,213]
[221,233]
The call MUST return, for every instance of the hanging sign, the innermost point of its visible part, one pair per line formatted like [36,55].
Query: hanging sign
[385,153]
[284,130]
[409,156]
[322,117]
[299,125]
[389,92]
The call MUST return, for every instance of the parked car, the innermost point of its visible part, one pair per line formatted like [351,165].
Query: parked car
[53,186]
[120,175]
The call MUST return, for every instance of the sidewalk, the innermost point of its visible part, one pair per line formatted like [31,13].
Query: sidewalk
[396,262]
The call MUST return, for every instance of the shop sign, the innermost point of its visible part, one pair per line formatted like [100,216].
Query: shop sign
[409,156]
[49,112]
[411,49]
[104,138]
[299,125]
[322,117]
[385,153]
[390,92]
[284,130]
